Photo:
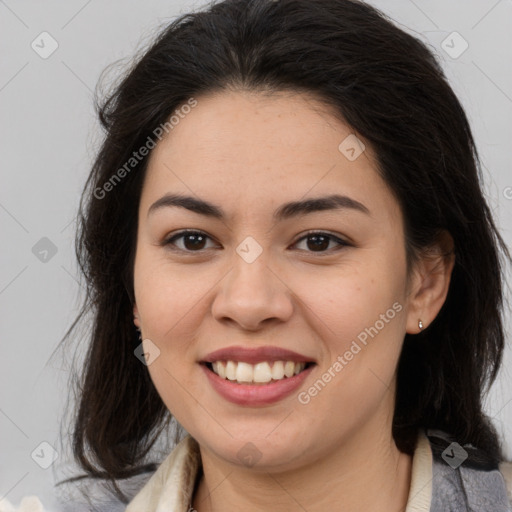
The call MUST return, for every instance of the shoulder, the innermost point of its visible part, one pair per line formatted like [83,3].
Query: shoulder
[464,476]
[171,486]
[28,504]
[174,473]
[505,468]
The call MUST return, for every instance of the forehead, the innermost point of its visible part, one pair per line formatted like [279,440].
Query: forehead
[253,149]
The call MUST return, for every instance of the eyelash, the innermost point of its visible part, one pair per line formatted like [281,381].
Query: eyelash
[169,242]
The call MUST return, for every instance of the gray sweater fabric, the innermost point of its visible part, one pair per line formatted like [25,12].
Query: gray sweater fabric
[464,478]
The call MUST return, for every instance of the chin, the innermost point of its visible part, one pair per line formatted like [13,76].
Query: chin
[258,451]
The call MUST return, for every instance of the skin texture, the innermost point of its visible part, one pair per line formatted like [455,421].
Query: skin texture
[249,153]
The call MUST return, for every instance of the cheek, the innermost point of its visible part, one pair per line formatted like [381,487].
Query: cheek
[349,301]
[166,294]
[168,299]
[360,318]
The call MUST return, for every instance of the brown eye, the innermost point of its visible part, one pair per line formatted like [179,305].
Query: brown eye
[319,242]
[193,241]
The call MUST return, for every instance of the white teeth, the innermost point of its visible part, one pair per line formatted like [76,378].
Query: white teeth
[221,369]
[299,367]
[278,370]
[230,370]
[244,372]
[263,372]
[289,368]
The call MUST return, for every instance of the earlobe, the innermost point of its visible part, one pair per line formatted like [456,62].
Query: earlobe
[136,320]
[433,275]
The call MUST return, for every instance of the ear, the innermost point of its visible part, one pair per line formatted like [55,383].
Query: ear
[430,283]
[136,319]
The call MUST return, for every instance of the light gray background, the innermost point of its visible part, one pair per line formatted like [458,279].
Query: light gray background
[49,134]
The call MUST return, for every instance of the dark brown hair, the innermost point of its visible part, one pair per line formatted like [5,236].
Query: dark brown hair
[390,88]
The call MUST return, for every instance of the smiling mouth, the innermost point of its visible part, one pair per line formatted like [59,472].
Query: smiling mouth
[261,373]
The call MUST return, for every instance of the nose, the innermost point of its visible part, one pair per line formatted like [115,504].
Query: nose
[253,295]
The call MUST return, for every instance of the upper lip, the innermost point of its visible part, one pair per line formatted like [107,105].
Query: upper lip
[255,355]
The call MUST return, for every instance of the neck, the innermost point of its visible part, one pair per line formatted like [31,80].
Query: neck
[366,473]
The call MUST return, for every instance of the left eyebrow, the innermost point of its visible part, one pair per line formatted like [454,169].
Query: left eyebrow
[285,211]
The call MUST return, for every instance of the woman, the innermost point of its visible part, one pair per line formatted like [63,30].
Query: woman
[288,250]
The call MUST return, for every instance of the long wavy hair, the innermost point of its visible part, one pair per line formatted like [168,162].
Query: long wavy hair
[389,87]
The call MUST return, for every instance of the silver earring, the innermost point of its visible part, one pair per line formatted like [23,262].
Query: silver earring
[420,324]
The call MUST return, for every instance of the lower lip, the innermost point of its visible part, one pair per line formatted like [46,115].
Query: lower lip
[257,394]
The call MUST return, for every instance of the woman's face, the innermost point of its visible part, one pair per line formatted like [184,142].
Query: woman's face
[253,284]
